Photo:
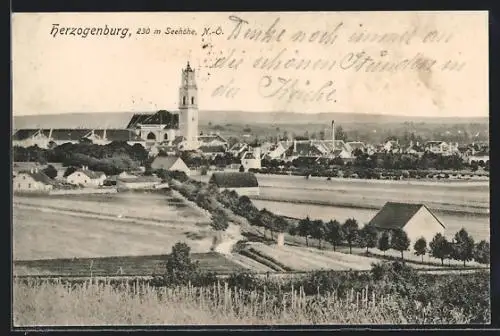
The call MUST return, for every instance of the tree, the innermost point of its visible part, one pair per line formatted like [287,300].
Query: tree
[220,222]
[304,229]
[400,241]
[50,171]
[318,230]
[280,224]
[420,247]
[439,247]
[384,242]
[368,237]
[463,249]
[351,232]
[180,269]
[334,233]
[482,252]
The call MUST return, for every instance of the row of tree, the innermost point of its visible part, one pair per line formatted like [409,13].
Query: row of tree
[462,247]
[207,196]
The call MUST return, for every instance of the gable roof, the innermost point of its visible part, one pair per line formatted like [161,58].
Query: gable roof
[69,134]
[24,134]
[212,149]
[234,180]
[167,161]
[208,138]
[121,135]
[38,176]
[163,117]
[304,149]
[395,215]
[90,173]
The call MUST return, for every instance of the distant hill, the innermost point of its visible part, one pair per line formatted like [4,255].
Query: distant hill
[121,119]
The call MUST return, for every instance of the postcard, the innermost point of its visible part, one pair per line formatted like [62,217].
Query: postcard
[250,168]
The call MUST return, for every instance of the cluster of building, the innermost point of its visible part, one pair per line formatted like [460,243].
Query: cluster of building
[171,132]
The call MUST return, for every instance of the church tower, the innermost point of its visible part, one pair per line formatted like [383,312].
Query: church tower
[188,107]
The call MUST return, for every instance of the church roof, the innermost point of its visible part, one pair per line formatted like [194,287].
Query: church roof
[121,135]
[163,117]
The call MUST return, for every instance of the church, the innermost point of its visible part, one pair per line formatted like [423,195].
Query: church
[168,128]
[173,130]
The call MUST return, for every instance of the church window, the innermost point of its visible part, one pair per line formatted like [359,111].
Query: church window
[184,100]
[192,100]
[151,136]
[29,185]
[165,137]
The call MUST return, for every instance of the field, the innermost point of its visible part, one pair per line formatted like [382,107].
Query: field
[104,305]
[457,204]
[68,233]
[146,265]
[477,225]
[306,259]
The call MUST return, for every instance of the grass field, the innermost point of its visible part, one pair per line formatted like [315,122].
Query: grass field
[102,305]
[124,265]
[304,259]
[40,235]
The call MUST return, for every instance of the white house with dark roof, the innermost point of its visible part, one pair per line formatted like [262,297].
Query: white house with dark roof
[243,183]
[86,177]
[251,158]
[33,180]
[417,220]
[170,163]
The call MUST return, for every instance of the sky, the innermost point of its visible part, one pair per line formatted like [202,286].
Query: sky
[142,72]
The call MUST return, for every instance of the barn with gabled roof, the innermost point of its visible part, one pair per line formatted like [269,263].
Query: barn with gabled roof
[244,183]
[417,220]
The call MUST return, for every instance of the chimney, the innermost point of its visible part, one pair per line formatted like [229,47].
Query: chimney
[333,132]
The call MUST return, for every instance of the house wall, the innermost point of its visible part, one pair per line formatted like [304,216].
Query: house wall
[422,224]
[254,191]
[251,164]
[24,182]
[80,178]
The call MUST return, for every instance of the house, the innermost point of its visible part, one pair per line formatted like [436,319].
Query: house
[276,151]
[33,180]
[356,145]
[238,149]
[170,163]
[415,148]
[137,182]
[251,159]
[415,219]
[243,183]
[441,147]
[479,157]
[86,177]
